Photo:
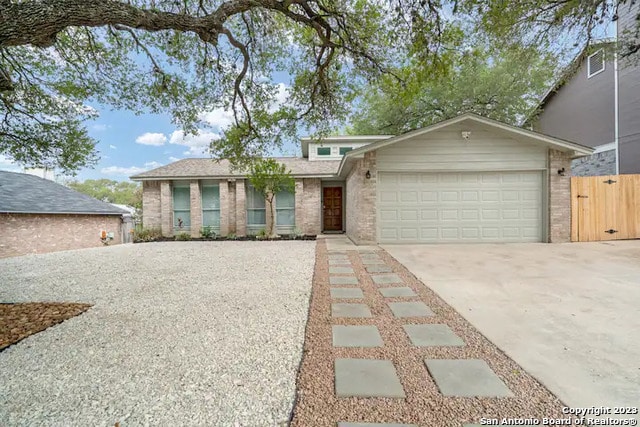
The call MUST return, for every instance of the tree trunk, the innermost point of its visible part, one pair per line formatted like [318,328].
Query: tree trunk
[272,226]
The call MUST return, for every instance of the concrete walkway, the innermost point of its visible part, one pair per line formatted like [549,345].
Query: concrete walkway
[568,313]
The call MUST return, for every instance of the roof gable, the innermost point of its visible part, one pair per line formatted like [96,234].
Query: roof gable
[22,193]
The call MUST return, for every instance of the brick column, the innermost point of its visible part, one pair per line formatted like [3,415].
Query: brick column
[151,213]
[312,205]
[232,208]
[368,199]
[166,208]
[559,197]
[196,208]
[224,207]
[299,204]
[241,208]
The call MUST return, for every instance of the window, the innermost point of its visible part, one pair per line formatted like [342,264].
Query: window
[211,206]
[595,63]
[285,208]
[345,150]
[181,208]
[256,213]
[324,151]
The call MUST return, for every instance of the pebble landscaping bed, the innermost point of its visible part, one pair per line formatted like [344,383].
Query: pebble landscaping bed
[18,321]
[422,398]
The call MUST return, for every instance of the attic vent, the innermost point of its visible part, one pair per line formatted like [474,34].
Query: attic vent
[595,63]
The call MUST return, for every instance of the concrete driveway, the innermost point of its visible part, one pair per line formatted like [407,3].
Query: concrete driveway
[567,313]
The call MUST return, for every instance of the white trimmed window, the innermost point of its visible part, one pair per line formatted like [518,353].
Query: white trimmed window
[256,212]
[181,207]
[285,209]
[211,206]
[595,63]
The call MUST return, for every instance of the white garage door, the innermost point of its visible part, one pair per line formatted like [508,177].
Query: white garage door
[459,207]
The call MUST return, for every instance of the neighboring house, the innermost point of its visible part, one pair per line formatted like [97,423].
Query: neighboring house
[597,103]
[38,215]
[468,179]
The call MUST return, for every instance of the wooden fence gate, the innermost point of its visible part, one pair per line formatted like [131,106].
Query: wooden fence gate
[605,208]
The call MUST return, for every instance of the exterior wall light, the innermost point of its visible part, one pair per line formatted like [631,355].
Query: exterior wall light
[367,175]
[561,172]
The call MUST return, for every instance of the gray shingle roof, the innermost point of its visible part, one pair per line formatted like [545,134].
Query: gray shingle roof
[202,168]
[22,193]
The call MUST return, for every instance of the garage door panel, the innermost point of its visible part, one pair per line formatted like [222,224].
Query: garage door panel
[460,207]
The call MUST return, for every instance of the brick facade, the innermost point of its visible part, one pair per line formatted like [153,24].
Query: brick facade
[39,233]
[361,201]
[151,213]
[166,209]
[311,206]
[241,208]
[559,206]
[196,208]
[598,164]
[224,207]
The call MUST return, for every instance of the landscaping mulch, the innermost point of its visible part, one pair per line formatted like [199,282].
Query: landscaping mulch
[424,405]
[19,320]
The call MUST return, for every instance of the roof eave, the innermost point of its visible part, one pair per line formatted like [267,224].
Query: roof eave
[3,211]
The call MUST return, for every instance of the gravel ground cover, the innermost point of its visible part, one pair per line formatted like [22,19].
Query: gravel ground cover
[18,321]
[189,333]
[424,405]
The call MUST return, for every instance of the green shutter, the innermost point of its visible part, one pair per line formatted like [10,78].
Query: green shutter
[345,150]
[324,151]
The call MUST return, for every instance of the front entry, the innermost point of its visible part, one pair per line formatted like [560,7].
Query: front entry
[332,208]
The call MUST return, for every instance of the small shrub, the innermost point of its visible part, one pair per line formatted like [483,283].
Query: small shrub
[142,234]
[262,234]
[183,236]
[231,236]
[207,232]
[297,233]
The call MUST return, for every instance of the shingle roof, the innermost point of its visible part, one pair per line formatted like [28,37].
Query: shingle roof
[22,193]
[202,168]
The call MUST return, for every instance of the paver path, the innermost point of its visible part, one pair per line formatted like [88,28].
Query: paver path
[382,349]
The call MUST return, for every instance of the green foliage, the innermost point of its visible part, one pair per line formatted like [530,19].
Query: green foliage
[496,83]
[147,234]
[262,234]
[183,236]
[231,236]
[207,232]
[297,233]
[120,192]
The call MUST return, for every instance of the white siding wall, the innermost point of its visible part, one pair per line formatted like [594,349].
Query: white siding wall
[448,151]
[335,149]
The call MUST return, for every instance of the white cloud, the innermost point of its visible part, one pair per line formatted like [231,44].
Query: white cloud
[98,127]
[127,171]
[197,144]
[149,138]
[7,164]
[217,118]
[113,147]
[174,159]
[118,170]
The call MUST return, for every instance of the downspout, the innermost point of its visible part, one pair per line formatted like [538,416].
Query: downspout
[616,132]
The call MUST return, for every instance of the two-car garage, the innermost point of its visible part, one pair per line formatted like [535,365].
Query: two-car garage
[465,180]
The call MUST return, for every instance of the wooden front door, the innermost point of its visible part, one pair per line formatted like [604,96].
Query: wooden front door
[332,208]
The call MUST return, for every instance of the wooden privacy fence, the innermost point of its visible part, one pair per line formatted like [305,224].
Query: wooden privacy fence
[605,208]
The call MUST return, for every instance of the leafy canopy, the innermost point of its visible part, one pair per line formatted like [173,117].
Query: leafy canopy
[59,57]
[120,192]
[269,177]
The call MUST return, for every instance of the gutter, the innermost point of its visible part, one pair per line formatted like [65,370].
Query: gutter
[64,213]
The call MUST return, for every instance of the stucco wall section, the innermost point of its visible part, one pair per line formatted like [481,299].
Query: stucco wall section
[36,233]
[361,201]
[241,208]
[196,208]
[595,165]
[166,208]
[559,197]
[151,214]
[311,221]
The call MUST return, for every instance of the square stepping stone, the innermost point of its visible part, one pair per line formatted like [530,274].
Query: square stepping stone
[337,280]
[397,292]
[365,255]
[432,335]
[356,336]
[346,293]
[466,378]
[410,309]
[378,269]
[339,262]
[372,261]
[342,424]
[350,310]
[367,378]
[338,256]
[386,279]
[340,270]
